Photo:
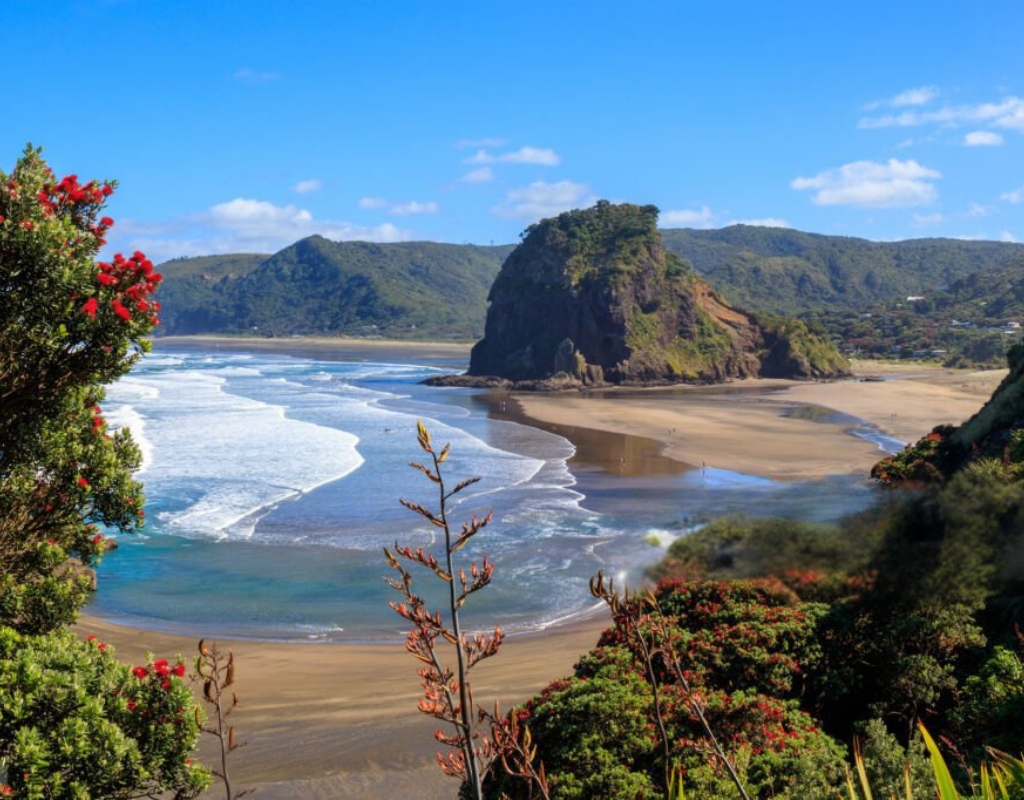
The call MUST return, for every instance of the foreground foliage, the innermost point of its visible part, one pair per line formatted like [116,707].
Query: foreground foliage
[799,639]
[77,724]
[73,722]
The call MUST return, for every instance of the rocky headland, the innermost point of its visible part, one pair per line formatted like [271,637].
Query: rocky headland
[592,297]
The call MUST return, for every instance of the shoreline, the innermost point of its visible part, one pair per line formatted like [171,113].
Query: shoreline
[341,721]
[336,720]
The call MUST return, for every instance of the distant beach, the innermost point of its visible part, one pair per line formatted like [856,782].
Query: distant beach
[340,721]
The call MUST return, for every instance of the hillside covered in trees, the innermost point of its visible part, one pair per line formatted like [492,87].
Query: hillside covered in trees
[406,290]
[787,271]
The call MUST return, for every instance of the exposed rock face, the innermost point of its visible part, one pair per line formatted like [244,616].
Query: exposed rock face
[595,295]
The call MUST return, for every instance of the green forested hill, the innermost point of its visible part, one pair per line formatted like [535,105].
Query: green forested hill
[197,294]
[786,271]
[316,286]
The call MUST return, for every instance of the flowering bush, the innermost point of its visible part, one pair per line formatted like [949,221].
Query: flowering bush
[68,325]
[742,647]
[77,724]
[73,722]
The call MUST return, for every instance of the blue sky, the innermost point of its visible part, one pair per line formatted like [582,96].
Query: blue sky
[244,126]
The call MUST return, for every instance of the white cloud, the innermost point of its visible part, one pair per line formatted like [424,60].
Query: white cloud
[413,207]
[978,210]
[1008,113]
[982,139]
[541,199]
[893,184]
[915,97]
[687,218]
[1006,236]
[246,75]
[919,96]
[487,141]
[762,222]
[481,175]
[531,155]
[372,202]
[1016,196]
[524,155]
[243,226]
[928,220]
[305,187]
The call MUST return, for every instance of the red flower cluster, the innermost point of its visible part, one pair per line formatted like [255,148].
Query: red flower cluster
[135,280]
[97,419]
[69,192]
[161,670]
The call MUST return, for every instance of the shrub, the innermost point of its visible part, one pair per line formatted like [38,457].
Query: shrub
[74,723]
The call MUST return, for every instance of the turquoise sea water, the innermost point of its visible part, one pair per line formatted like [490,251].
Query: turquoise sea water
[273,480]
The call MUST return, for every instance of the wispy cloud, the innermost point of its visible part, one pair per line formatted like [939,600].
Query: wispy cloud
[254,76]
[307,186]
[1006,236]
[244,226]
[922,95]
[372,202]
[892,184]
[687,218]
[413,207]
[524,155]
[918,96]
[1007,113]
[481,175]
[1016,196]
[541,199]
[983,139]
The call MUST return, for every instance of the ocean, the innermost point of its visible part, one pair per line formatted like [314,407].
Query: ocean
[273,480]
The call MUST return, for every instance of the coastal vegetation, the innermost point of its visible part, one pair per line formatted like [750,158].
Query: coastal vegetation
[74,722]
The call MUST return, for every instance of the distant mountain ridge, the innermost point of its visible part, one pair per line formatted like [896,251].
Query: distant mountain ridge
[782,270]
[438,290]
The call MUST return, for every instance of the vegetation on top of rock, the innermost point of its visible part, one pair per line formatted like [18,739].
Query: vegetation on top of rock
[594,294]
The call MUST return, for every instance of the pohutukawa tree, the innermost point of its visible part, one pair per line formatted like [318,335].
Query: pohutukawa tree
[75,723]
[68,325]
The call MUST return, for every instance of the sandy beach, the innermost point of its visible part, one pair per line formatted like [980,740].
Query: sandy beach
[340,721]
[775,428]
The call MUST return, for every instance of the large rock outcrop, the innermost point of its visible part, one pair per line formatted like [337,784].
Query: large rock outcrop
[595,295]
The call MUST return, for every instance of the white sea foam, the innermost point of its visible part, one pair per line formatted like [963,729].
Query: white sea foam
[226,460]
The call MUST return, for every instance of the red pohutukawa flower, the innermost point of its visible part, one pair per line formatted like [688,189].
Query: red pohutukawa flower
[140,672]
[120,310]
[83,482]
[90,307]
